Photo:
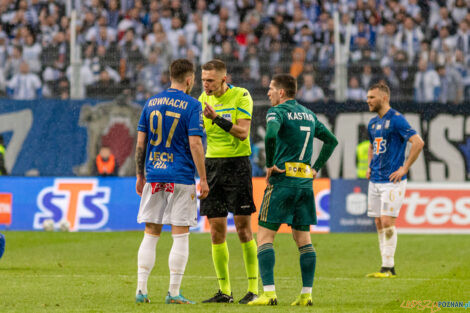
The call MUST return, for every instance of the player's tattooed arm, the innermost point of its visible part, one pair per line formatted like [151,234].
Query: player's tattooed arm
[140,160]
[140,153]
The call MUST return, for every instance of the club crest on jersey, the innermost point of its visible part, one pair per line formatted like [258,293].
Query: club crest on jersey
[387,124]
[81,202]
[380,145]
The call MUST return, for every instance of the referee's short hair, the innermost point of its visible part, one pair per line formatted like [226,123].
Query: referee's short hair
[382,87]
[215,64]
[180,69]
[286,82]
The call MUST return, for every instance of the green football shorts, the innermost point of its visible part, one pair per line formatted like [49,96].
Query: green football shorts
[290,205]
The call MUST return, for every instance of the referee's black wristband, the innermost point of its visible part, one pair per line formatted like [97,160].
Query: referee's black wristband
[223,123]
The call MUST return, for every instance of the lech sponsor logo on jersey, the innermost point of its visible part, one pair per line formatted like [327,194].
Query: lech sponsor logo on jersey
[81,202]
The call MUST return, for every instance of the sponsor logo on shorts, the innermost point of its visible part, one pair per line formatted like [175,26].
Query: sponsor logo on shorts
[300,170]
[167,187]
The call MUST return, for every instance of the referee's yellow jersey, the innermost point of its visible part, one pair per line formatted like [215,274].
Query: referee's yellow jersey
[233,105]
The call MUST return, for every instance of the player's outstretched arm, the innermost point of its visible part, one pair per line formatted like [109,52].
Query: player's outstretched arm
[197,151]
[140,161]
[417,145]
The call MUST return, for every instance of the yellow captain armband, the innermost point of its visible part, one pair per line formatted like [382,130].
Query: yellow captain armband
[299,170]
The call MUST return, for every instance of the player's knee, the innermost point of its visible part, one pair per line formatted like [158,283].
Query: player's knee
[217,238]
[152,229]
[218,234]
[244,234]
[378,223]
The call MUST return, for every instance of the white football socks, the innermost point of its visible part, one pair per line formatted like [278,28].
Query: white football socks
[306,290]
[145,261]
[269,288]
[389,246]
[177,262]
[381,240]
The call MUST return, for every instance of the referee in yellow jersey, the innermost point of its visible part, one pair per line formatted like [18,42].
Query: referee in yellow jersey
[227,120]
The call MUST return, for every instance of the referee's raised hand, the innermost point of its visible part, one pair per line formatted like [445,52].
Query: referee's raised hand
[209,111]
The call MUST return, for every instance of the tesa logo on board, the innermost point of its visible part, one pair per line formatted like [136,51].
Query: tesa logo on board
[79,201]
[5,208]
[436,208]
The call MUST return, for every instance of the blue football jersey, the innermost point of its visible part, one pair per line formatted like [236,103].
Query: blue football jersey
[169,118]
[388,136]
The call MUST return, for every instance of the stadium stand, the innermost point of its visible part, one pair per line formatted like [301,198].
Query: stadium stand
[129,43]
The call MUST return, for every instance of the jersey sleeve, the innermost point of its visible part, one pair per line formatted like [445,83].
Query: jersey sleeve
[273,116]
[143,125]
[369,133]
[195,120]
[244,106]
[403,127]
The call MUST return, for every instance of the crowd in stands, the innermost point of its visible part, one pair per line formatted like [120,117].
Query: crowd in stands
[420,48]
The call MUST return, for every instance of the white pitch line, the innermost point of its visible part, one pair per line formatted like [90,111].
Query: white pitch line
[235,278]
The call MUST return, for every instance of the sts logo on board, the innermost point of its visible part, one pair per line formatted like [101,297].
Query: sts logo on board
[81,202]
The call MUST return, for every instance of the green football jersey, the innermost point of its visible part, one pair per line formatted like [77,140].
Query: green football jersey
[234,104]
[294,143]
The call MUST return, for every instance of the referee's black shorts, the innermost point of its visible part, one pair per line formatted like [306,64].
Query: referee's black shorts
[231,188]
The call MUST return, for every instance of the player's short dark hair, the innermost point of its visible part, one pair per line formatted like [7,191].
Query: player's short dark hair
[286,82]
[180,69]
[382,87]
[215,64]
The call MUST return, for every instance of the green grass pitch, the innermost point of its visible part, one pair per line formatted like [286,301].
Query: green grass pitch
[96,272]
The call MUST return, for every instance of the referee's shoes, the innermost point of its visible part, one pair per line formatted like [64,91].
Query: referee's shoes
[220,297]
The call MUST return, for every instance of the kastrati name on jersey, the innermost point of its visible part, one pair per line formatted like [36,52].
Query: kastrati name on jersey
[299,116]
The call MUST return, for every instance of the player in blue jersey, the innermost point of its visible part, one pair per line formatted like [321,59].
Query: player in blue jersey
[169,150]
[389,132]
